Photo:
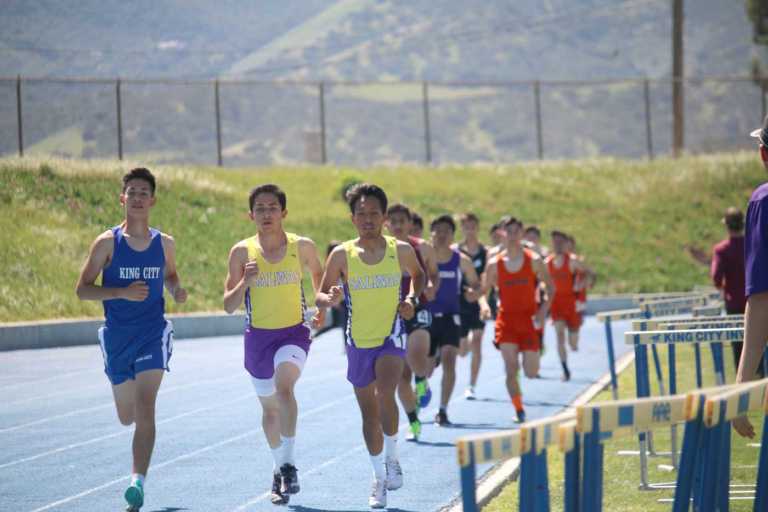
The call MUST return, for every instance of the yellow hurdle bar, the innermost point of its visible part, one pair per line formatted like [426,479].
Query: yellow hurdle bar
[624,417]
[673,306]
[566,436]
[735,402]
[489,447]
[642,298]
[546,431]
[620,314]
[684,336]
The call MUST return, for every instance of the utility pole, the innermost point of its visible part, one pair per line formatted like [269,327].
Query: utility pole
[678,104]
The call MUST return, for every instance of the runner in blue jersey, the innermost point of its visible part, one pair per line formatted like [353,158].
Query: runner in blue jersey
[445,330]
[135,262]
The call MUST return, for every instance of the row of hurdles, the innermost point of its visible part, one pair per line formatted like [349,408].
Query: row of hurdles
[703,468]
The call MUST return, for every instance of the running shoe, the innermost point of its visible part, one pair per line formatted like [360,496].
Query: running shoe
[566,373]
[134,495]
[290,479]
[423,393]
[277,497]
[441,419]
[520,416]
[394,475]
[415,432]
[469,393]
[378,497]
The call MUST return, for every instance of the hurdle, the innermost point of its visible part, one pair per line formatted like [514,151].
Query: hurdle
[715,337]
[606,317]
[600,422]
[706,447]
[473,450]
[530,443]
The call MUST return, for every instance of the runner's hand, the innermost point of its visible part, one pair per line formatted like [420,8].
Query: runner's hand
[318,319]
[250,271]
[137,291]
[485,312]
[406,310]
[540,318]
[336,294]
[743,427]
[180,295]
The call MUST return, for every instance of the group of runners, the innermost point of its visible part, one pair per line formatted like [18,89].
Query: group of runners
[408,306]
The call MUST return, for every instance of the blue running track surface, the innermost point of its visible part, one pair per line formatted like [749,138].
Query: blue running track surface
[62,448]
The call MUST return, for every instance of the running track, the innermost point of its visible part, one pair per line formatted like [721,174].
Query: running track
[61,447]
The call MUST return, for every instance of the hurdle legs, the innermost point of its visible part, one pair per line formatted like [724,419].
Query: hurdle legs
[611,358]
[761,496]
[572,480]
[467,472]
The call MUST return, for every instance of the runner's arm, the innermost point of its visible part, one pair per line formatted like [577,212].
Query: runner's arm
[429,258]
[235,283]
[410,264]
[172,279]
[99,257]
[543,275]
[330,293]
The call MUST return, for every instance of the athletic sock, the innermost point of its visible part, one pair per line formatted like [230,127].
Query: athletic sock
[137,478]
[565,367]
[418,379]
[379,470]
[390,446]
[412,416]
[517,401]
[277,457]
[288,444]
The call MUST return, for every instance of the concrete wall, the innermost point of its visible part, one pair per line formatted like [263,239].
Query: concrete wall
[65,333]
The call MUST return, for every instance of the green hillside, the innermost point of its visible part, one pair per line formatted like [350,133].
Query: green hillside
[633,220]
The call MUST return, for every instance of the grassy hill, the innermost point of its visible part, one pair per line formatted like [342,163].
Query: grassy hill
[633,220]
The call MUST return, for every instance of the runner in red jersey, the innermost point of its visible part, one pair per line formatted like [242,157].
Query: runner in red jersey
[585,278]
[563,268]
[515,273]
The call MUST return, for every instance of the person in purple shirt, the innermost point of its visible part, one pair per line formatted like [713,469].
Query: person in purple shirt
[727,269]
[756,278]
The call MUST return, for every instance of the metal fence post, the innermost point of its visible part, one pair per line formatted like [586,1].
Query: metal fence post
[648,131]
[537,107]
[321,99]
[119,106]
[218,122]
[18,116]
[427,130]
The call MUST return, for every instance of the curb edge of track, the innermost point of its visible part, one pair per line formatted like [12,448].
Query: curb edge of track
[502,473]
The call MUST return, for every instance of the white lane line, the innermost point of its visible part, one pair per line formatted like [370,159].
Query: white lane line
[161,422]
[163,391]
[39,381]
[338,458]
[185,456]
[177,375]
[121,432]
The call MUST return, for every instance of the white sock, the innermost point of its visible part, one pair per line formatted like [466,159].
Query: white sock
[390,446]
[379,471]
[288,444]
[137,478]
[277,457]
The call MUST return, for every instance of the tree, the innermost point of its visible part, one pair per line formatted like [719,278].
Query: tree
[757,10]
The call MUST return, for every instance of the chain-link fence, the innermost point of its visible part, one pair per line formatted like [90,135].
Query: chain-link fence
[240,123]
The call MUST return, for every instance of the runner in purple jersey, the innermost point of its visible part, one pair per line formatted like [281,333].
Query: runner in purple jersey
[135,261]
[446,322]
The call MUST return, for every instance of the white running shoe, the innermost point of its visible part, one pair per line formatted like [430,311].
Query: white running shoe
[378,497]
[394,475]
[469,393]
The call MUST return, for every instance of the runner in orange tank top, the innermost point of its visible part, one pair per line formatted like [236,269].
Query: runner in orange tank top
[584,279]
[563,268]
[515,273]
